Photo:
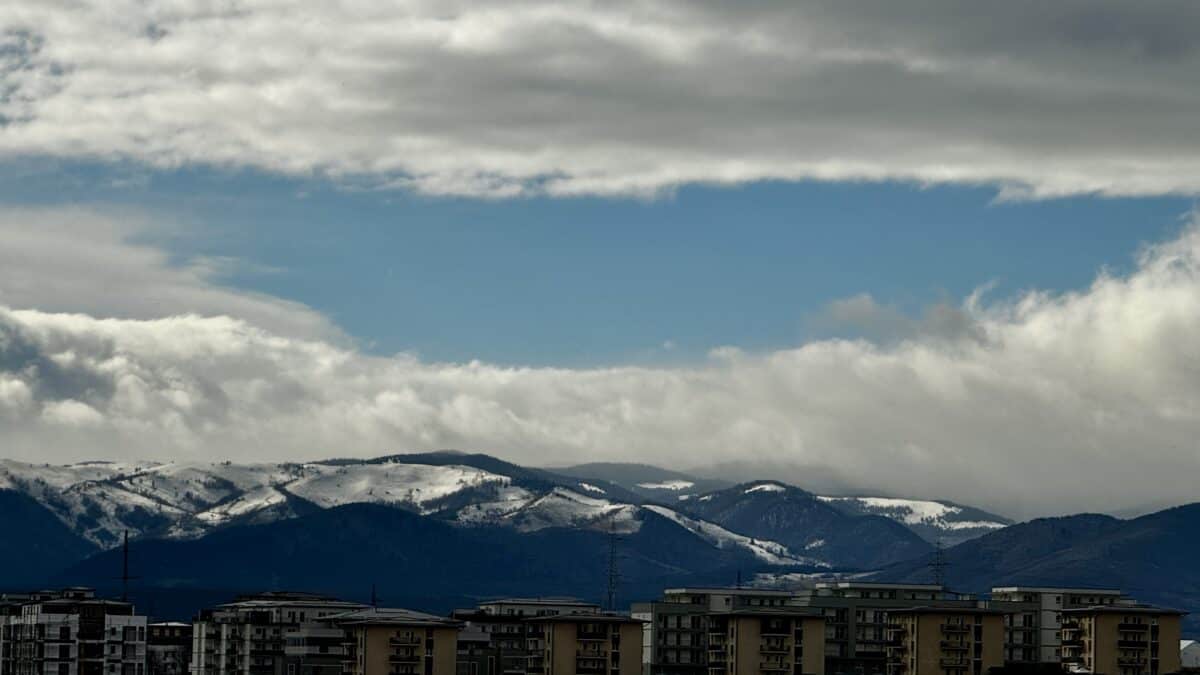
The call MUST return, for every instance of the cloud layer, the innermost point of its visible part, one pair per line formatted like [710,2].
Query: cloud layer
[1045,404]
[621,97]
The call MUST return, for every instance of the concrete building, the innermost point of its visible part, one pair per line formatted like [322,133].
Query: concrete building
[856,619]
[584,644]
[397,642]
[1189,654]
[494,637]
[717,631]
[270,634]
[71,632]
[1032,622]
[676,628]
[1121,640]
[944,641]
[766,641]
[168,648]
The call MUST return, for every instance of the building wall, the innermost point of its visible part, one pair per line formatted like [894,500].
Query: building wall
[812,661]
[630,661]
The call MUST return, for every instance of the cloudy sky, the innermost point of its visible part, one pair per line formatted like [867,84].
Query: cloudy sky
[910,248]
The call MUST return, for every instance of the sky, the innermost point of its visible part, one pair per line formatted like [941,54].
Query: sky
[911,250]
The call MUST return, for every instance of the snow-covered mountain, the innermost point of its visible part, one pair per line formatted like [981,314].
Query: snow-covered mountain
[100,501]
[934,521]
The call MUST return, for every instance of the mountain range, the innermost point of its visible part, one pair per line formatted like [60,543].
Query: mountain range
[438,529]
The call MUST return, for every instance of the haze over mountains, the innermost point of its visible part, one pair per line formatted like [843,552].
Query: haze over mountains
[475,526]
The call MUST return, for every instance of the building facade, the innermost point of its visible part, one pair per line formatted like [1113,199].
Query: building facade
[397,642]
[1121,640]
[168,648]
[717,631]
[944,641]
[856,619]
[495,637]
[270,634]
[766,641]
[71,632]
[1033,618]
[584,644]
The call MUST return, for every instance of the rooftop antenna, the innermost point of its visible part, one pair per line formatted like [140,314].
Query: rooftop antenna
[939,563]
[614,574]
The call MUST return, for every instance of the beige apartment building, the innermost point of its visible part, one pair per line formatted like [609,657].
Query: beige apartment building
[1033,618]
[584,644]
[397,642]
[1121,640]
[766,641]
[944,641]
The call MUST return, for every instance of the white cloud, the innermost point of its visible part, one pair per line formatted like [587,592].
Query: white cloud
[80,259]
[621,97]
[1048,403]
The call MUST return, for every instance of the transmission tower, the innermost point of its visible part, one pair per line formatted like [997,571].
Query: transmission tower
[613,573]
[939,564]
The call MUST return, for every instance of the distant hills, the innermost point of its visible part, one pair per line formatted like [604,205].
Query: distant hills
[1152,557]
[437,529]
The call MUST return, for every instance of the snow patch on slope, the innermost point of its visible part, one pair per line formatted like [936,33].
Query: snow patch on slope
[414,484]
[918,512]
[766,487]
[565,508]
[592,488]
[768,551]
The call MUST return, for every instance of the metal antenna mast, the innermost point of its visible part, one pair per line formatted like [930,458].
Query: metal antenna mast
[939,564]
[125,576]
[614,574]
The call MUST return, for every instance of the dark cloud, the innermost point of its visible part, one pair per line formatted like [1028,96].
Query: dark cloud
[499,99]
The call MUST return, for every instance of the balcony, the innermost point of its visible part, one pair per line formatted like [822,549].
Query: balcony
[1133,644]
[774,649]
[1130,661]
[1138,627]
[1071,659]
[952,646]
[404,658]
[955,663]
[955,628]
[1067,642]
[404,640]
[775,667]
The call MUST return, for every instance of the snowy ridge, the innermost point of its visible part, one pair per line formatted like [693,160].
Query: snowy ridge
[767,551]
[766,487]
[923,516]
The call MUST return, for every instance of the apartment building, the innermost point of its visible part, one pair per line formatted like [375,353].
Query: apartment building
[397,642]
[856,618]
[1121,640]
[168,648]
[271,634]
[675,634]
[712,631]
[10,606]
[1032,620]
[584,644]
[944,641]
[766,641]
[70,632]
[494,637]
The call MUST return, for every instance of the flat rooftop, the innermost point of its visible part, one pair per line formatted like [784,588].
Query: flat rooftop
[727,591]
[1051,589]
